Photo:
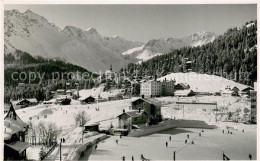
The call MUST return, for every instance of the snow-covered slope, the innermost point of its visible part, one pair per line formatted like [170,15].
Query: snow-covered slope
[32,33]
[157,47]
[203,82]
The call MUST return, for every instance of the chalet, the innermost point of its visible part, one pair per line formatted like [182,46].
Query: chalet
[63,101]
[181,86]
[32,101]
[246,91]
[230,91]
[150,105]
[14,136]
[130,119]
[184,93]
[87,100]
[91,127]
[18,104]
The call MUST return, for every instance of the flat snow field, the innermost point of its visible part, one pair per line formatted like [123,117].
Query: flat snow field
[209,146]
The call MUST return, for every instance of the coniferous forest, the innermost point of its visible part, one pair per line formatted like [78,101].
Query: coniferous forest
[232,55]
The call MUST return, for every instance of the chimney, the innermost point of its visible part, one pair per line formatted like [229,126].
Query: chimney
[139,110]
[123,110]
[142,96]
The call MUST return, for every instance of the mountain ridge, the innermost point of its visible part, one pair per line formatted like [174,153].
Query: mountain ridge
[27,31]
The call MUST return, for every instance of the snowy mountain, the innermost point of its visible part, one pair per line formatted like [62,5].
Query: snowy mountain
[202,82]
[157,47]
[34,34]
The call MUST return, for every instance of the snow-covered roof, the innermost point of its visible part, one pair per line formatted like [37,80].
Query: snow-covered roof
[227,92]
[247,89]
[18,146]
[183,92]
[153,101]
[12,123]
[60,90]
[184,85]
[32,100]
[70,90]
[92,124]
[85,97]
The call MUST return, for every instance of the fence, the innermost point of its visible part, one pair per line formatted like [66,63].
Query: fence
[50,151]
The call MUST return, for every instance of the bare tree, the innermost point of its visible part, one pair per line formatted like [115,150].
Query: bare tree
[81,118]
[48,132]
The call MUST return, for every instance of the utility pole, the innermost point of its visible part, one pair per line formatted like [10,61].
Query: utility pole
[216,112]
[183,111]
[60,148]
[173,155]
[82,133]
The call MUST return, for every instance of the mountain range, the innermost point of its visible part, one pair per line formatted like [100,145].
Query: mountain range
[32,33]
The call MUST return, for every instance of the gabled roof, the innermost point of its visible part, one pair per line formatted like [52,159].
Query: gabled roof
[18,146]
[92,124]
[150,101]
[183,92]
[12,123]
[83,98]
[18,101]
[33,100]
[184,85]
[247,89]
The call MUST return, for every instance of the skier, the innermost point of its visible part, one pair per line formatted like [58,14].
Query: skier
[185,141]
[123,158]
[250,156]
[166,144]
[223,131]
[192,142]
[188,136]
[225,157]
[133,158]
[116,141]
[170,138]
[199,134]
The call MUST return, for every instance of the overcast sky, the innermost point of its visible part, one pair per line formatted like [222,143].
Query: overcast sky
[145,22]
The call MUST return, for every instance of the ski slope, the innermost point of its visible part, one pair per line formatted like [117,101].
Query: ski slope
[202,82]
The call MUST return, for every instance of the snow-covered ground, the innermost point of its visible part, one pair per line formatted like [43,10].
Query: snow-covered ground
[63,116]
[202,82]
[209,146]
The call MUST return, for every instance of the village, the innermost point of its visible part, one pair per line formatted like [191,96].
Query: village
[73,123]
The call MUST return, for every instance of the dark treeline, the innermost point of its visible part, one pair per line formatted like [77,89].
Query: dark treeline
[232,55]
[49,74]
[19,62]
